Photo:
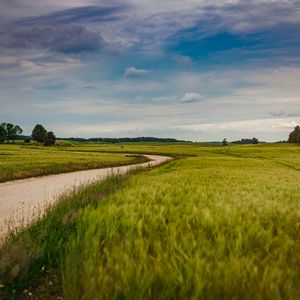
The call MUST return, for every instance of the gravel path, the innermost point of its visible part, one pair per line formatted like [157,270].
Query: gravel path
[22,200]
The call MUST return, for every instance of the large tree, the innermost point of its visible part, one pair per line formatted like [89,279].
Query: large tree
[294,136]
[39,133]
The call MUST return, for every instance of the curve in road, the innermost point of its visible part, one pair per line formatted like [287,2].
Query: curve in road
[22,200]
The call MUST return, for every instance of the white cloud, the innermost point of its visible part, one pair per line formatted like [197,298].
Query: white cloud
[191,98]
[133,72]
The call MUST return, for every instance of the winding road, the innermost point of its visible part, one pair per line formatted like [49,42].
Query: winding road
[22,200]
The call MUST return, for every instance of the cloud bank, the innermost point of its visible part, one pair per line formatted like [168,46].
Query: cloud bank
[191,69]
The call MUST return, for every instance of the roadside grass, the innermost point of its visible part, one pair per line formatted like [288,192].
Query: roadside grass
[224,224]
[17,161]
[30,258]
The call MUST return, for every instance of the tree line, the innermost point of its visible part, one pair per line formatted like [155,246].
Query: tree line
[246,141]
[253,141]
[126,140]
[10,132]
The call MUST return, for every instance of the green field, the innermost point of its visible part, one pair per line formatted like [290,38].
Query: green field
[19,161]
[223,223]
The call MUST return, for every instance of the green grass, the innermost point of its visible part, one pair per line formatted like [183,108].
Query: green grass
[224,224]
[33,254]
[18,161]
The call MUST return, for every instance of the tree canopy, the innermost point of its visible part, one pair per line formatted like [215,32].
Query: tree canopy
[40,134]
[294,136]
[9,132]
[50,139]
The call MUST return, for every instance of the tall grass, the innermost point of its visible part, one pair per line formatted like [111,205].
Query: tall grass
[214,227]
[222,225]
[31,257]
[17,161]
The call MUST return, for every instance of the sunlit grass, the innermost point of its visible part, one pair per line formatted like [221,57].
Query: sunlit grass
[17,161]
[32,255]
[200,228]
[224,224]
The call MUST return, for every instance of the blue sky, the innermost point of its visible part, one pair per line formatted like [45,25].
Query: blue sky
[193,69]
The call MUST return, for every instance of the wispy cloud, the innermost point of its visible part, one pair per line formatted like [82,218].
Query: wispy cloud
[133,72]
[191,98]
[282,113]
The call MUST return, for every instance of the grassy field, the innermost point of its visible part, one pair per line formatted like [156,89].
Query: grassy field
[223,224]
[18,161]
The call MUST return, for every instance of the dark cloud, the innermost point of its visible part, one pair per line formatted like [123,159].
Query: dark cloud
[9,65]
[69,38]
[275,43]
[87,14]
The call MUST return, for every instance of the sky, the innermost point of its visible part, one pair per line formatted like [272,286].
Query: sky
[194,70]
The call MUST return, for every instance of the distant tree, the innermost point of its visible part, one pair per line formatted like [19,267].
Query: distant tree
[39,133]
[246,141]
[2,133]
[294,136]
[17,131]
[11,131]
[50,139]
[224,142]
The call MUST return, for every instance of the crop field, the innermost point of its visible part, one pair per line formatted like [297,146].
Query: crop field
[17,161]
[223,223]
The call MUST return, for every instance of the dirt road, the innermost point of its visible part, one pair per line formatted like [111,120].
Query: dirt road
[22,200]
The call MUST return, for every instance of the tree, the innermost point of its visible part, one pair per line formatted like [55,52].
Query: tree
[39,133]
[50,139]
[2,133]
[17,131]
[255,141]
[11,131]
[224,142]
[294,136]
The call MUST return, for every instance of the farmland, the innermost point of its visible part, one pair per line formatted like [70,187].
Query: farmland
[222,223]
[19,161]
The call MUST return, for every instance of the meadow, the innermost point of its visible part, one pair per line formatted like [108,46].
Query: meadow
[19,161]
[221,223]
